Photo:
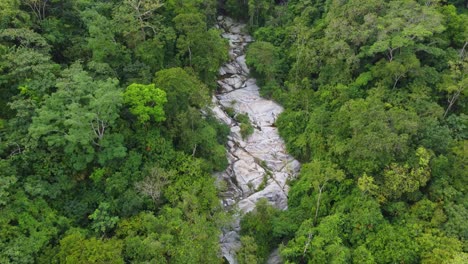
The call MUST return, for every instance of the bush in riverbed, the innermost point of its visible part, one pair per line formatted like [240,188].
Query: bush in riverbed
[246,128]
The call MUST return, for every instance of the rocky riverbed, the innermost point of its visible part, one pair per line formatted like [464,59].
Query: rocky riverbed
[259,166]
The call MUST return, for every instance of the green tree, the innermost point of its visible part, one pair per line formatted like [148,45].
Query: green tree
[392,244]
[248,252]
[146,101]
[101,42]
[264,58]
[26,227]
[456,81]
[76,248]
[7,179]
[136,17]
[405,24]
[12,15]
[183,90]
[195,41]
[258,10]
[398,180]
[191,131]
[27,69]
[78,116]
[320,244]
[362,255]
[103,221]
[319,174]
[236,8]
[258,224]
[377,134]
[207,8]
[38,8]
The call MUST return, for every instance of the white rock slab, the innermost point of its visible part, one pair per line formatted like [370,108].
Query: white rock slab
[261,157]
[241,61]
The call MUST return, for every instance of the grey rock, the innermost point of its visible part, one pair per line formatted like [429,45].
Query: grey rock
[249,158]
[225,88]
[274,257]
[237,28]
[235,81]
[243,65]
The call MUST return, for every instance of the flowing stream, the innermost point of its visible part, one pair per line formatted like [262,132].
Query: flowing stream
[259,166]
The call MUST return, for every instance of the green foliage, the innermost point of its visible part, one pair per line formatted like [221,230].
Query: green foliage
[195,41]
[246,128]
[392,244]
[375,108]
[248,252]
[183,231]
[76,119]
[236,8]
[145,101]
[101,42]
[258,11]
[27,226]
[183,90]
[154,184]
[7,179]
[257,228]
[319,244]
[370,86]
[362,255]
[102,220]
[191,132]
[264,59]
[76,248]
[26,68]
[399,180]
[318,173]
[75,76]
[137,19]
[12,15]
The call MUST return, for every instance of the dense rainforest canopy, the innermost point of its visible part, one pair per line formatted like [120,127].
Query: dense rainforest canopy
[107,143]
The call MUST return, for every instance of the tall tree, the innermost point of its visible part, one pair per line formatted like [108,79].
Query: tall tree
[78,116]
[146,102]
[195,41]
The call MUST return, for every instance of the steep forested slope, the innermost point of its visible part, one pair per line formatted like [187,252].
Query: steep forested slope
[375,97]
[106,155]
[107,145]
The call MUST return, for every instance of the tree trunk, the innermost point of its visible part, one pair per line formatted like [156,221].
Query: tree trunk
[318,204]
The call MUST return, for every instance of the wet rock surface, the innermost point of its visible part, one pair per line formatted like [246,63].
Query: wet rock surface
[259,166]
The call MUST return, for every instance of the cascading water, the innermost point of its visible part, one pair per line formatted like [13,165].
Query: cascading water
[259,166]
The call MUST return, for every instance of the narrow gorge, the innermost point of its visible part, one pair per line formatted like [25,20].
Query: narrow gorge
[259,166]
